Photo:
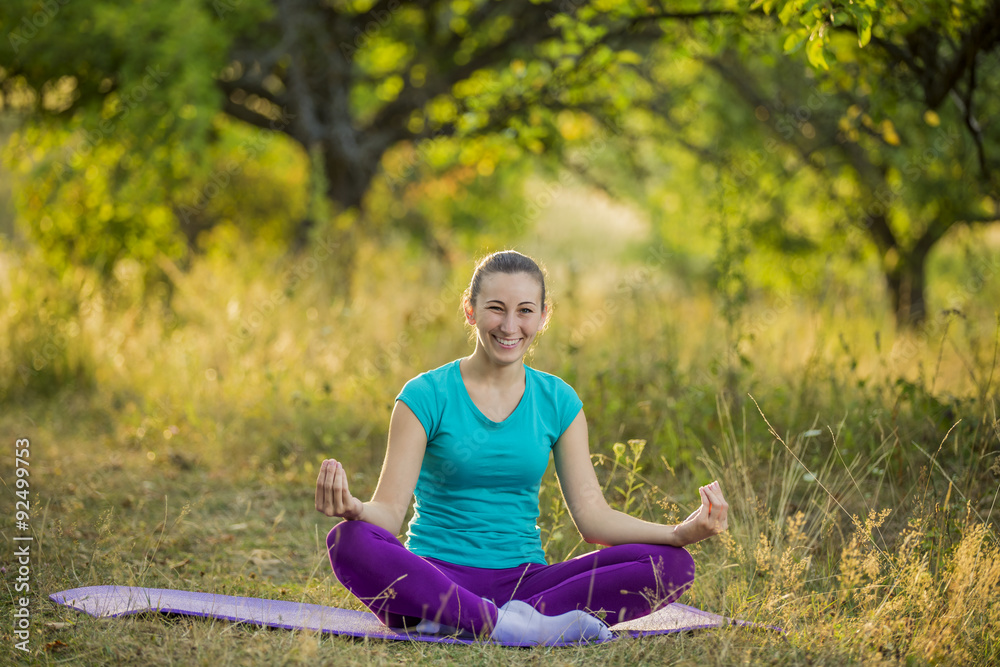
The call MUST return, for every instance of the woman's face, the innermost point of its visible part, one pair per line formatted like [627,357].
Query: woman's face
[507,315]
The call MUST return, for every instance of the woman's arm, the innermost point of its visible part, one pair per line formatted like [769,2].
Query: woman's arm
[599,524]
[404,455]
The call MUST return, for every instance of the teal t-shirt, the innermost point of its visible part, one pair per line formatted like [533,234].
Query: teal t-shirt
[476,500]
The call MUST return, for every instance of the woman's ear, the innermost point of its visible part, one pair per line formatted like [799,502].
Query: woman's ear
[469,313]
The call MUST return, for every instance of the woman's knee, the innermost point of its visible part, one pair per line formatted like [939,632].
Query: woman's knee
[672,573]
[356,533]
[687,564]
[345,531]
[352,542]
[674,564]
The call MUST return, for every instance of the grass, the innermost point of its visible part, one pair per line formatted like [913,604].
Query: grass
[176,435]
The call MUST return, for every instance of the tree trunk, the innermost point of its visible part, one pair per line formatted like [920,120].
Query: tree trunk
[347,186]
[347,180]
[906,282]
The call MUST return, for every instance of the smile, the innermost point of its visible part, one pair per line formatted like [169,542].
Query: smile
[507,342]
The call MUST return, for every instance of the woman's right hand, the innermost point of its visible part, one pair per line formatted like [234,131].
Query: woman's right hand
[333,498]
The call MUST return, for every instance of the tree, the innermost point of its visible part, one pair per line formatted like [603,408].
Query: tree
[345,80]
[897,114]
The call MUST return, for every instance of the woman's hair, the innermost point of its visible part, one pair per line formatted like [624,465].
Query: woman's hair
[504,261]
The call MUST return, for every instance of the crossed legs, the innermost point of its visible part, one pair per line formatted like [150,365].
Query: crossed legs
[623,582]
[398,586]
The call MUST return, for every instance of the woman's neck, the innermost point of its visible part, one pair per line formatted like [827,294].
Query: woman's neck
[478,368]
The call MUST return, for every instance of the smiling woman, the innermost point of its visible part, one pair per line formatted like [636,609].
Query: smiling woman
[469,443]
[507,310]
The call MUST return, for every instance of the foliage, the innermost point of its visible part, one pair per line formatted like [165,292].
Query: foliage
[119,96]
[443,105]
[348,82]
[898,126]
[812,22]
[870,160]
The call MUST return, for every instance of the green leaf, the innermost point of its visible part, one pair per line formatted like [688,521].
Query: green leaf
[795,40]
[864,27]
[816,50]
[789,11]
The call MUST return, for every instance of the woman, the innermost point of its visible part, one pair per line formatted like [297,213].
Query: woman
[470,442]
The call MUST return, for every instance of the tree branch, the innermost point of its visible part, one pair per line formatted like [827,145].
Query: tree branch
[310,126]
[981,219]
[240,112]
[251,87]
[964,104]
[412,98]
[732,71]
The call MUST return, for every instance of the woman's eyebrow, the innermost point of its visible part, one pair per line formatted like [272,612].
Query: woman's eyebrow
[530,303]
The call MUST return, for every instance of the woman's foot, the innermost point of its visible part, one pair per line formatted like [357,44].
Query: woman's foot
[520,623]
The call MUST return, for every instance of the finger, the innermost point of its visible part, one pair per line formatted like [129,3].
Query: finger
[714,495]
[331,487]
[701,513]
[720,508]
[724,513]
[706,501]
[323,481]
[342,495]
[720,503]
[335,483]
[717,489]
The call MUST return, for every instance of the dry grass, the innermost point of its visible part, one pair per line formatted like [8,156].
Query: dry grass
[177,447]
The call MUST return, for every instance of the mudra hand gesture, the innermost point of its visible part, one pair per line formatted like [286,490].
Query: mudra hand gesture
[333,497]
[711,518]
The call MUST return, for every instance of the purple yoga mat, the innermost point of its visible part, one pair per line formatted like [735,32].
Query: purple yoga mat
[113,601]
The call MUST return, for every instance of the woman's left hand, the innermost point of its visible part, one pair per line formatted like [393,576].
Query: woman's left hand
[708,520]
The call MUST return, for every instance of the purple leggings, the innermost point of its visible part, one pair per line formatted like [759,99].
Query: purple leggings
[625,581]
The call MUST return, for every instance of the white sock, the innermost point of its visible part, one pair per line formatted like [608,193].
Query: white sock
[520,623]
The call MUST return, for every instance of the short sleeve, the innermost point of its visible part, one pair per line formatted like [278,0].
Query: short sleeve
[422,397]
[568,402]
[557,399]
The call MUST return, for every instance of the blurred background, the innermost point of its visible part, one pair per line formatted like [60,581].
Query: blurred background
[205,201]
[231,230]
